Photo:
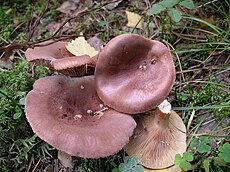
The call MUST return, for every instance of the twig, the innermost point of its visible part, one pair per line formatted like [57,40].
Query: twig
[36,165]
[210,121]
[30,163]
[7,50]
[80,14]
[178,58]
[14,46]
[34,27]
[190,119]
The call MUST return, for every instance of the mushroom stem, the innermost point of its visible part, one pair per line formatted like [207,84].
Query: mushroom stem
[162,114]
[65,159]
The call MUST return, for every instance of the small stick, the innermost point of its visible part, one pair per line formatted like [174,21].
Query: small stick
[36,165]
[190,119]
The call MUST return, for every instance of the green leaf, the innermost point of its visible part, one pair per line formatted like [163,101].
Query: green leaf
[22,101]
[187,156]
[219,162]
[17,115]
[131,160]
[116,170]
[131,165]
[155,9]
[175,15]
[185,165]
[224,157]
[224,148]
[195,142]
[205,140]
[138,168]
[126,168]
[183,96]
[203,148]
[188,4]
[178,159]
[168,3]
[206,164]
[224,152]
[2,92]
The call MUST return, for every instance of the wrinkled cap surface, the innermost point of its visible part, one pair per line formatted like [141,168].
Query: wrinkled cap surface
[67,113]
[134,74]
[55,56]
[156,146]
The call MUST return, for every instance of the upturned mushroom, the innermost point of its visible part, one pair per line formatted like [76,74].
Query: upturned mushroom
[158,138]
[67,113]
[134,74]
[56,57]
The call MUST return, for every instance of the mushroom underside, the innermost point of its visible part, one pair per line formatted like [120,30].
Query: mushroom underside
[56,57]
[155,146]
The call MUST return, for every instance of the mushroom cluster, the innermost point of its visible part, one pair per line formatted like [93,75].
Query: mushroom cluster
[96,116]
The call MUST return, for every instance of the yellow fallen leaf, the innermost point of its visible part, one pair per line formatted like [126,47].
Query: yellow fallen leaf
[80,47]
[134,20]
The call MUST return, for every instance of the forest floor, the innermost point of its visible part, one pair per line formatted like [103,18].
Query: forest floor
[198,37]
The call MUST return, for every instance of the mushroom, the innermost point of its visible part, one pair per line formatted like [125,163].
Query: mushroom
[158,138]
[65,159]
[136,71]
[67,113]
[55,56]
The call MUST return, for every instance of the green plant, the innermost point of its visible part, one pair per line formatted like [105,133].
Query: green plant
[15,17]
[170,7]
[130,165]
[202,145]
[224,152]
[184,161]
[16,138]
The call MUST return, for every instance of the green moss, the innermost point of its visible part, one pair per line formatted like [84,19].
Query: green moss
[16,137]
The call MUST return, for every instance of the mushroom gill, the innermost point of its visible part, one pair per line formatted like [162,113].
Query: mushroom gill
[158,138]
[56,57]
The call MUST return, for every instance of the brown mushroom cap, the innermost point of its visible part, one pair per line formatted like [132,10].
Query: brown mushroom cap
[55,56]
[48,50]
[156,141]
[67,113]
[134,74]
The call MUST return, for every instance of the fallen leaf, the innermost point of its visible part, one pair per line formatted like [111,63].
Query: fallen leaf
[134,20]
[95,42]
[80,47]
[67,7]
[8,64]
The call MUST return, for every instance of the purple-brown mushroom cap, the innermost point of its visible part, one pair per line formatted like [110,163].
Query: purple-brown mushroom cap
[67,113]
[134,74]
[55,56]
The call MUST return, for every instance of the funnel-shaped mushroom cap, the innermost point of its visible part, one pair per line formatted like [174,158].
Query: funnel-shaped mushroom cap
[55,56]
[67,113]
[134,74]
[156,145]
